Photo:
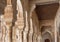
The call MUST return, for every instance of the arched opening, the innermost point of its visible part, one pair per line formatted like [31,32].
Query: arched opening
[44,12]
[47,40]
[46,37]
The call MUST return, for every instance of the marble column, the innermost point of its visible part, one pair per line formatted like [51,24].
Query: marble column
[31,30]
[14,36]
[26,29]
[57,24]
[39,38]
[57,21]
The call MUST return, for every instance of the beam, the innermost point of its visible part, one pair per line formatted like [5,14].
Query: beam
[44,2]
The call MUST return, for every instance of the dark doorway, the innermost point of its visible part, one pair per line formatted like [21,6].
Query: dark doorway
[47,40]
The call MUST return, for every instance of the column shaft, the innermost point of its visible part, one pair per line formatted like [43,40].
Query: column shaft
[26,29]
[31,31]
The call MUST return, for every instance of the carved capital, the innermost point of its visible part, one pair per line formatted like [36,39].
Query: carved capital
[8,13]
[32,7]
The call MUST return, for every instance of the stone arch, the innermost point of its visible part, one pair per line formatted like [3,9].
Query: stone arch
[48,32]
[45,36]
[45,29]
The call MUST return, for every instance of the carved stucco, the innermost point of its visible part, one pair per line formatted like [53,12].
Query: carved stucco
[30,32]
[19,24]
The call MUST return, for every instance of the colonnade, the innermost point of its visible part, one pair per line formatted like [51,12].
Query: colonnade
[23,29]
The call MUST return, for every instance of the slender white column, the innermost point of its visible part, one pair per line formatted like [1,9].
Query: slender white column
[31,37]
[26,29]
[20,36]
[31,31]
[39,38]
[55,33]
[14,34]
[25,36]
[57,23]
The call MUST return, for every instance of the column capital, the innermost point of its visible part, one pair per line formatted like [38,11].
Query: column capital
[33,6]
[8,13]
